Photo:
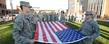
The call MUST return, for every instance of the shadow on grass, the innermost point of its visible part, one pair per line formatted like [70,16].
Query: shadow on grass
[107,34]
[11,25]
[104,36]
[1,23]
[97,42]
[104,31]
[7,40]
[103,23]
[6,35]
[72,25]
[6,29]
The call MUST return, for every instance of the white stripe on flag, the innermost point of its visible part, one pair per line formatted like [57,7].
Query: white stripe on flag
[57,26]
[40,38]
[47,34]
[61,25]
[57,39]
[53,26]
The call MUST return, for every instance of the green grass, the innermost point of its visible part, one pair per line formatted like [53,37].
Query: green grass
[6,30]
[104,31]
[5,33]
[103,23]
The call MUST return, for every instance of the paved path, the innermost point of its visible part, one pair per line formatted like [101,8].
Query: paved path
[103,20]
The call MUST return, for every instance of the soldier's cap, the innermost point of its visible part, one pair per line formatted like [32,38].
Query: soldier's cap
[62,11]
[89,13]
[26,4]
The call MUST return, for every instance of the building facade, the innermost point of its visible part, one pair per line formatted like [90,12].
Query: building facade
[3,7]
[84,4]
[96,6]
[74,7]
[105,9]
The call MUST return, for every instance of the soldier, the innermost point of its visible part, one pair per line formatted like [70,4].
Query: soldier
[40,16]
[72,18]
[24,25]
[48,17]
[89,28]
[56,17]
[51,16]
[62,18]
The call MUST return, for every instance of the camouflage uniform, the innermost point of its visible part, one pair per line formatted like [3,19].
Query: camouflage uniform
[91,29]
[62,18]
[24,28]
[40,17]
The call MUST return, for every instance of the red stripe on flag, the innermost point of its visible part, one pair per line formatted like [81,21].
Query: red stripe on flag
[52,37]
[60,25]
[63,25]
[51,27]
[55,26]
[43,33]
[36,33]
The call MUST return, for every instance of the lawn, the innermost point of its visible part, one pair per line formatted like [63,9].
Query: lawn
[104,31]
[6,32]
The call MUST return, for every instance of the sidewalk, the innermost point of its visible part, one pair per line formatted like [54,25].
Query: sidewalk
[103,20]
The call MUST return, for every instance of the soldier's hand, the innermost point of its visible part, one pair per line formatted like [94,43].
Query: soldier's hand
[34,41]
[31,41]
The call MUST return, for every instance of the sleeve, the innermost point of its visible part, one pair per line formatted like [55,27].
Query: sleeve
[34,23]
[96,31]
[17,26]
[81,27]
[32,18]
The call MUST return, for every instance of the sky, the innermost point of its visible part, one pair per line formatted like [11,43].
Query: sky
[55,4]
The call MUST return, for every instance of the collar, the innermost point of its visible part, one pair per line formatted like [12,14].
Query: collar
[27,16]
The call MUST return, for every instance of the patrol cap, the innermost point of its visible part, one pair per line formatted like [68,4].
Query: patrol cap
[89,13]
[23,3]
[62,11]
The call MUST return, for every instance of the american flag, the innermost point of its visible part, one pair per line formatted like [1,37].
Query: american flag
[56,32]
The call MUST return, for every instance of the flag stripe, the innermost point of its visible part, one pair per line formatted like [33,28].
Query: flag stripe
[62,25]
[43,34]
[57,26]
[40,38]
[51,30]
[51,35]
[52,26]
[47,34]
[37,31]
